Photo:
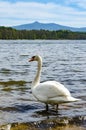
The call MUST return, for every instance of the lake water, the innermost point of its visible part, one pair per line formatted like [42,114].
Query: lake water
[63,61]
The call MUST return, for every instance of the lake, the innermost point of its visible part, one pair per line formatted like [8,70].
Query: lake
[63,61]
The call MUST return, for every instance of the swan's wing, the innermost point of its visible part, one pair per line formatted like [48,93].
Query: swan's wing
[51,89]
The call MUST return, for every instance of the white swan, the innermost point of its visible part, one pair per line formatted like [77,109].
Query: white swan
[49,92]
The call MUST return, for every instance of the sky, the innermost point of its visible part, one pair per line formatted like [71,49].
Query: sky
[64,12]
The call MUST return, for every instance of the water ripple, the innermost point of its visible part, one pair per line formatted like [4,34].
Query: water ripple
[62,62]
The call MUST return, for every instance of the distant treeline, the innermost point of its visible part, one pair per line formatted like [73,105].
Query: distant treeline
[10,33]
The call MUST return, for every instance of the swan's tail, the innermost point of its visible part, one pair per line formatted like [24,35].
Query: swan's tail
[72,99]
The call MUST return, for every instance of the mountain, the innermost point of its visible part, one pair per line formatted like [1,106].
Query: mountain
[47,26]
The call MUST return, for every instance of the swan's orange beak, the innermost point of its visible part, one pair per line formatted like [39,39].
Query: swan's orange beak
[31,60]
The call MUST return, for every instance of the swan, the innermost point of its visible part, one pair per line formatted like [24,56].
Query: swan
[49,92]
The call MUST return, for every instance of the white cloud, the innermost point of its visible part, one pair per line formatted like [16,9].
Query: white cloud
[26,12]
[78,3]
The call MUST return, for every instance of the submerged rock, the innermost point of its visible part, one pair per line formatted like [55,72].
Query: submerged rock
[79,120]
[5,127]
[61,123]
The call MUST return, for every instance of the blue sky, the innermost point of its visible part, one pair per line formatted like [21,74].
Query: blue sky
[64,12]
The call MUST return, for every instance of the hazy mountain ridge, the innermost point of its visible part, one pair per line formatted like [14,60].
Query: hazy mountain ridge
[47,26]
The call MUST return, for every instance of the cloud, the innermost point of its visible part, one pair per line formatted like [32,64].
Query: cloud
[26,12]
[78,3]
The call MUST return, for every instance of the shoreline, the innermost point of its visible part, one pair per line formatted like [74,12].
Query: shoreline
[63,123]
[34,126]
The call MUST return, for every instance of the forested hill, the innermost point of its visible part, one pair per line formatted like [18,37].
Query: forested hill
[10,33]
[48,26]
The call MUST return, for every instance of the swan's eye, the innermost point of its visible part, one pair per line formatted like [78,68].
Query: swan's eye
[33,57]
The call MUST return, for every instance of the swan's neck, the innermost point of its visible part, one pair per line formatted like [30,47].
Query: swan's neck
[38,74]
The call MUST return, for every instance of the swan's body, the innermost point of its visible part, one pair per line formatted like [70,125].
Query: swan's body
[49,92]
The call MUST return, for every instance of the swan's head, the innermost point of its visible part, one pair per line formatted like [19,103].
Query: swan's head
[35,58]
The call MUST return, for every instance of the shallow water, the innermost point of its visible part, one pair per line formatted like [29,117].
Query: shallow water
[63,61]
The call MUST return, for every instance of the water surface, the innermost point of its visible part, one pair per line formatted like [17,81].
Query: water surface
[63,61]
